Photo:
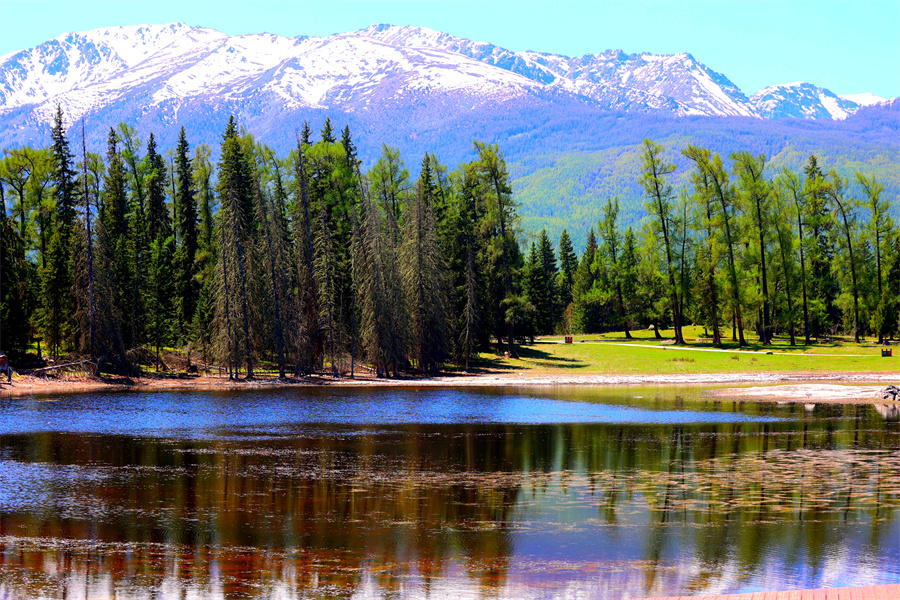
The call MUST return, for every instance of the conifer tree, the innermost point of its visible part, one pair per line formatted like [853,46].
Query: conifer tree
[785,239]
[568,265]
[628,272]
[57,281]
[276,253]
[585,275]
[609,231]
[185,204]
[159,224]
[708,256]
[309,340]
[794,186]
[724,194]
[845,211]
[880,226]
[234,191]
[422,270]
[495,185]
[537,293]
[551,310]
[823,288]
[754,191]
[138,245]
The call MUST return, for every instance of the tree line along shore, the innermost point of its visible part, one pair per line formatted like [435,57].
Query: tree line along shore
[307,264]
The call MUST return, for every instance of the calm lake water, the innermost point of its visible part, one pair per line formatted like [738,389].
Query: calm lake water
[434,493]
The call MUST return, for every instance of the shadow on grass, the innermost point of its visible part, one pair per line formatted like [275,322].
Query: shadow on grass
[534,356]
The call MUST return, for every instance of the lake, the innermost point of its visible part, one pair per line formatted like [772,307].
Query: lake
[433,493]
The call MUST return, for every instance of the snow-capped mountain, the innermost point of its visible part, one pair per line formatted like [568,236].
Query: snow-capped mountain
[129,73]
[613,80]
[801,100]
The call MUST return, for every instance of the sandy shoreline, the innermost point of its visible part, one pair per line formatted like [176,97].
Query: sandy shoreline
[799,387]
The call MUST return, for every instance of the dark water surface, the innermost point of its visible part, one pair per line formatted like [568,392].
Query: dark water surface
[434,493]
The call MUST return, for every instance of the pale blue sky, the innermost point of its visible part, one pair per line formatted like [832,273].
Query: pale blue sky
[845,46]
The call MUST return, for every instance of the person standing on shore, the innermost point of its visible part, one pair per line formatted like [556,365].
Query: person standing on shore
[5,368]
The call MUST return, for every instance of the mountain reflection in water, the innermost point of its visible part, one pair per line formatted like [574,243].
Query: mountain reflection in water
[433,493]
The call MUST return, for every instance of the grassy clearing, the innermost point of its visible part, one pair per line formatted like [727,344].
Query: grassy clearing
[612,354]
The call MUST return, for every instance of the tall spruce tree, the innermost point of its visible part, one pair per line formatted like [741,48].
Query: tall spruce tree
[568,265]
[308,339]
[501,214]
[422,269]
[57,282]
[185,205]
[235,211]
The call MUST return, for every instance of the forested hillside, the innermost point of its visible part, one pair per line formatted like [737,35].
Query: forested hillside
[308,261]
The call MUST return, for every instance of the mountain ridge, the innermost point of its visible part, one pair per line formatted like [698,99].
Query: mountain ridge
[377,66]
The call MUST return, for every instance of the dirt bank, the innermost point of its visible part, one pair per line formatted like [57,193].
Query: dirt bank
[800,387]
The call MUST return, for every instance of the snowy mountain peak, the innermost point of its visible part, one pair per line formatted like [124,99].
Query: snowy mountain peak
[131,70]
[801,100]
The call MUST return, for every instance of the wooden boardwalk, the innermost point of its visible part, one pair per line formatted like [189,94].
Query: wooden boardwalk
[869,592]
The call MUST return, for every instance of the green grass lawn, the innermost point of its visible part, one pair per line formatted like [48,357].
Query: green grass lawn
[594,356]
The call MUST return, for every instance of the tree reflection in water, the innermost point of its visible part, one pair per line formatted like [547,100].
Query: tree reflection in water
[500,510]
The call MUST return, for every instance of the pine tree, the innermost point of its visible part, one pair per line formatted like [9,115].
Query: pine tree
[609,231]
[185,203]
[308,342]
[537,293]
[57,280]
[568,265]
[138,244]
[15,274]
[234,191]
[628,277]
[551,311]
[422,270]
[159,224]
[277,255]
[585,276]
[501,213]
[823,289]
[785,238]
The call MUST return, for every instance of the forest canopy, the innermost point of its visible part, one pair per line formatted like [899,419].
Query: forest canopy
[305,263]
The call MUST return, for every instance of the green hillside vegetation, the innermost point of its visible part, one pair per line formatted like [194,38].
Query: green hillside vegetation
[565,190]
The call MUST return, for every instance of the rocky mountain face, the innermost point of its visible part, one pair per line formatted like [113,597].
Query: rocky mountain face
[124,73]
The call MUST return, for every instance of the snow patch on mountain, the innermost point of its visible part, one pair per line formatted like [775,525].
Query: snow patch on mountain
[864,99]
